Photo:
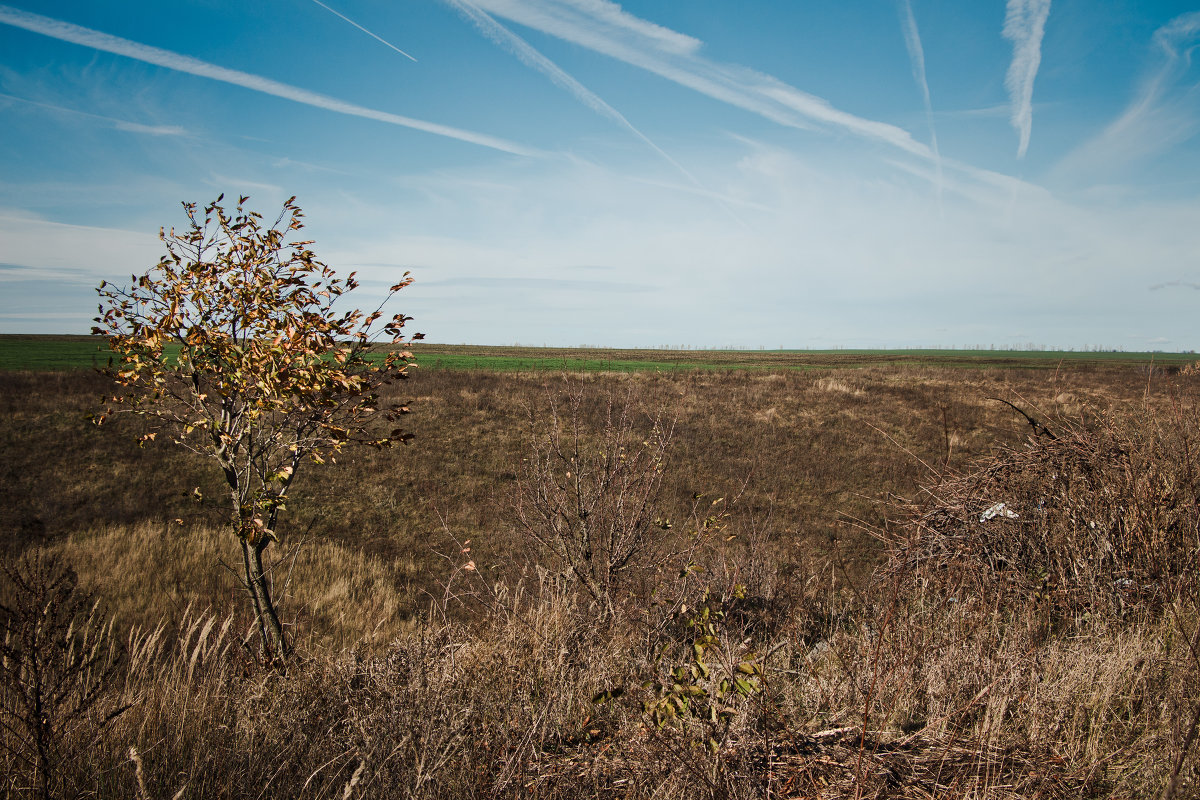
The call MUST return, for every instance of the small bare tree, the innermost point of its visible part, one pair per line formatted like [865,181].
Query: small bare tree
[588,493]
[232,343]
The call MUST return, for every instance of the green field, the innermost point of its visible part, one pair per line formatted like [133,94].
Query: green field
[40,353]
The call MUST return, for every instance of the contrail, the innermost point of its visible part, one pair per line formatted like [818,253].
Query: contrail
[119,124]
[1024,26]
[364,30]
[604,27]
[67,32]
[916,54]
[533,58]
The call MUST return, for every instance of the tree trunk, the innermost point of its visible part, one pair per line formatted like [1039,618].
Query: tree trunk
[274,643]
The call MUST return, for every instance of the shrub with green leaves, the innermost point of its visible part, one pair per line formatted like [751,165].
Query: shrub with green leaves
[706,678]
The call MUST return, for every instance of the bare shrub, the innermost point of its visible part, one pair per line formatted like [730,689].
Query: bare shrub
[588,494]
[1044,603]
[1095,520]
[57,660]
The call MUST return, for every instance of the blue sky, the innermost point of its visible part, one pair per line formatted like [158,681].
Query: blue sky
[882,173]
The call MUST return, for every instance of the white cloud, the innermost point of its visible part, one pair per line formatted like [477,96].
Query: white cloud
[589,23]
[1161,115]
[118,124]
[605,28]
[86,37]
[854,256]
[609,19]
[534,59]
[916,54]
[835,255]
[152,130]
[1181,30]
[55,251]
[1024,26]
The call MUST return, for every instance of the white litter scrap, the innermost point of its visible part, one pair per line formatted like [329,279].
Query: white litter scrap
[998,510]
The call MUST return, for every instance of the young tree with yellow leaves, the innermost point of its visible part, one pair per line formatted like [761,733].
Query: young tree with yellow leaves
[232,343]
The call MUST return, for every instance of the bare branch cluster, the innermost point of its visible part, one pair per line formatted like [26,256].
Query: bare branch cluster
[588,495]
[56,661]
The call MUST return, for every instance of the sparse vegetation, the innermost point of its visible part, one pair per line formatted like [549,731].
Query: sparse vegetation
[892,638]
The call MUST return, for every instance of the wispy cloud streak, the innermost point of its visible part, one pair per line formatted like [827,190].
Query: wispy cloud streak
[1175,285]
[119,124]
[379,39]
[605,28]
[1178,34]
[531,57]
[916,55]
[75,34]
[36,247]
[1179,30]
[1159,117]
[606,20]
[1024,26]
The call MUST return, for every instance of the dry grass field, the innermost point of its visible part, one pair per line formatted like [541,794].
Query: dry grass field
[818,595]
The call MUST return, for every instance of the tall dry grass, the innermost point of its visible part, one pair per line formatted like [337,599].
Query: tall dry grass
[334,597]
[1054,654]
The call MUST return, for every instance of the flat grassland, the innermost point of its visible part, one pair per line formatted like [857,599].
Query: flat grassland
[818,533]
[18,352]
